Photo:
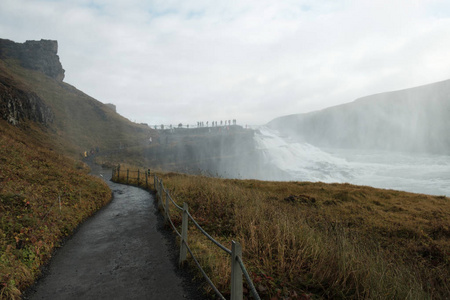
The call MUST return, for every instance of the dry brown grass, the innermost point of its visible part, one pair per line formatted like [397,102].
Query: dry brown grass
[303,239]
[34,180]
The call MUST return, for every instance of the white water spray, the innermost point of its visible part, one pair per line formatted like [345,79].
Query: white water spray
[419,173]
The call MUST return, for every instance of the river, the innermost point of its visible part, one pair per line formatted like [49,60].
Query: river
[418,173]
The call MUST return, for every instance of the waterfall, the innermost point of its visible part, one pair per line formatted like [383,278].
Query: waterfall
[418,173]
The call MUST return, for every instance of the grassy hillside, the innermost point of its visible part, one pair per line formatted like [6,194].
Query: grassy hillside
[80,122]
[314,240]
[45,189]
[34,180]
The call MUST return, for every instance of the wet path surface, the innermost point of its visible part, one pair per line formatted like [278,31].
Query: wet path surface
[120,253]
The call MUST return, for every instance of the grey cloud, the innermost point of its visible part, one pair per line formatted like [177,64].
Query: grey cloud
[185,61]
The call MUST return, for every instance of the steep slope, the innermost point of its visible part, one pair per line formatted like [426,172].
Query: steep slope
[44,192]
[35,55]
[412,120]
[43,197]
[75,121]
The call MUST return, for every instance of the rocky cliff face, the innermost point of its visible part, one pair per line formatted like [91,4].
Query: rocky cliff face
[36,55]
[17,104]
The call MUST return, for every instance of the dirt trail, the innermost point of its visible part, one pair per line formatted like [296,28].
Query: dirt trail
[122,252]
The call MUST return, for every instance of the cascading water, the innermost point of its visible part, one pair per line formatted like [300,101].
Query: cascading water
[419,173]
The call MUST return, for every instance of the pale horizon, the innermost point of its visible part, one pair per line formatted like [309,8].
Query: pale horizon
[170,62]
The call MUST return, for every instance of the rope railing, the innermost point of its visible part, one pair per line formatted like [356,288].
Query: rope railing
[208,236]
[237,265]
[166,210]
[174,228]
[248,279]
[211,284]
[176,205]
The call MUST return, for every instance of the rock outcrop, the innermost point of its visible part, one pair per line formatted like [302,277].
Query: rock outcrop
[17,104]
[36,55]
[112,106]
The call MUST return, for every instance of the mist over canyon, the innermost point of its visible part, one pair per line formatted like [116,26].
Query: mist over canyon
[411,120]
[397,140]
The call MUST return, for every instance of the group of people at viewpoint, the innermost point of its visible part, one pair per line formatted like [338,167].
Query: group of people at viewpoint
[91,152]
[216,124]
[199,125]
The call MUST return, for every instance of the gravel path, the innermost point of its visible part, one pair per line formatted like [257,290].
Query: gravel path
[122,252]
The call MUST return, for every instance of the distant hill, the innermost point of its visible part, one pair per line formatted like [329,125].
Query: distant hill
[31,89]
[411,120]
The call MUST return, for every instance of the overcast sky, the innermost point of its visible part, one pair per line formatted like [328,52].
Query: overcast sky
[166,62]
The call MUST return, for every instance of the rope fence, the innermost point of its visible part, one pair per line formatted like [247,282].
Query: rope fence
[238,270]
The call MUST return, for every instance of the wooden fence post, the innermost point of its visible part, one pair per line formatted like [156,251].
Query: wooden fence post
[138,177]
[236,272]
[148,175]
[146,180]
[128,171]
[184,234]
[161,188]
[157,190]
[166,215]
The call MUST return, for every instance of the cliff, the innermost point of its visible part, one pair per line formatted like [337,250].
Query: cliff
[35,55]
[32,91]
[18,104]
[17,101]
